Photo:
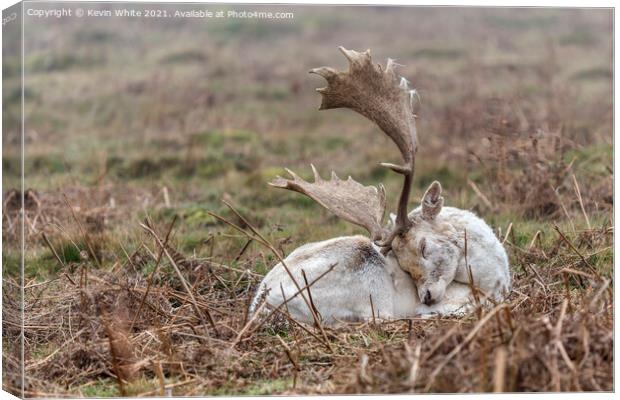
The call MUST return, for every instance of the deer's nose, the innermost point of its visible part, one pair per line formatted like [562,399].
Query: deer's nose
[427,298]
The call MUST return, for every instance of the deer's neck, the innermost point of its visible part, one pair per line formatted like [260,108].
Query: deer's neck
[405,292]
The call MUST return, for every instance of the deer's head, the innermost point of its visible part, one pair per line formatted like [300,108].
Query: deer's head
[423,245]
[431,250]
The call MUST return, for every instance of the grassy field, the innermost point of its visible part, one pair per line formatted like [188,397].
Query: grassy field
[140,127]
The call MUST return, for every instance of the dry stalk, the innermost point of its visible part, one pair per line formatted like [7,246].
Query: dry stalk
[289,353]
[372,310]
[508,231]
[315,310]
[49,244]
[159,373]
[480,195]
[414,359]
[470,277]
[120,349]
[568,217]
[570,244]
[499,373]
[152,275]
[256,235]
[83,232]
[184,283]
[285,302]
[460,346]
[580,199]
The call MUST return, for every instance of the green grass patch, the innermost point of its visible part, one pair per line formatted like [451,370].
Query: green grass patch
[41,63]
[93,36]
[577,38]
[595,159]
[449,178]
[39,263]
[258,388]
[185,56]
[69,252]
[102,388]
[598,73]
[11,262]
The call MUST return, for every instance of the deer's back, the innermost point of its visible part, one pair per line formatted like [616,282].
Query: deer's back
[357,273]
[485,254]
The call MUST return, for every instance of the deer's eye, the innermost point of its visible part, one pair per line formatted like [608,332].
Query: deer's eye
[423,248]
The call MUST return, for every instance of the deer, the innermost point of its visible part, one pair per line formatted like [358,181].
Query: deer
[433,260]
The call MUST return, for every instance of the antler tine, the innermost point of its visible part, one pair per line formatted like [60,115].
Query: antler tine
[348,199]
[317,177]
[381,96]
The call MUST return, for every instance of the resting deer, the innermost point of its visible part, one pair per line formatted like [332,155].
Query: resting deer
[414,265]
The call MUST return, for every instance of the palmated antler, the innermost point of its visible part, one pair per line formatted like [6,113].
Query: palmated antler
[348,199]
[381,96]
[384,98]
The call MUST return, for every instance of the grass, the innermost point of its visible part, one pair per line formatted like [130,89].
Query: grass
[126,136]
[258,388]
[101,388]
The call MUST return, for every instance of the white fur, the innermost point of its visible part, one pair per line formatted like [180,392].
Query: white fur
[344,293]
[485,254]
[361,272]
[445,262]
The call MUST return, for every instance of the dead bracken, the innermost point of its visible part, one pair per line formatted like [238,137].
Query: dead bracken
[146,334]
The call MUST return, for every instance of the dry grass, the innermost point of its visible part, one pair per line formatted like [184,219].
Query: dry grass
[133,288]
[149,332]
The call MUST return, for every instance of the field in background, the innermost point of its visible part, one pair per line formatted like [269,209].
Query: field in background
[132,122]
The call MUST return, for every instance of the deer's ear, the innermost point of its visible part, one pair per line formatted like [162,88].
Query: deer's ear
[432,201]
